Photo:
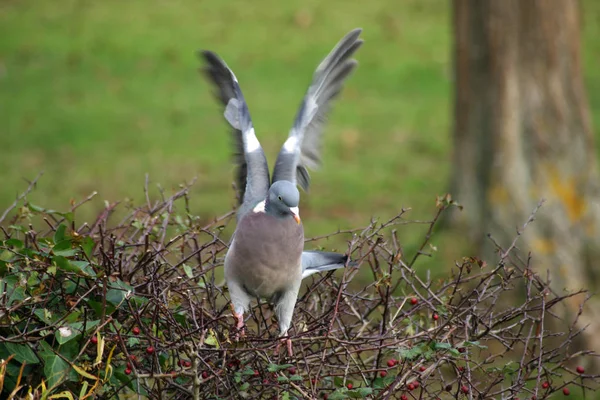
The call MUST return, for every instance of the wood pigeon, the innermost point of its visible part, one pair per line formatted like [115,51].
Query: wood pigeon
[266,258]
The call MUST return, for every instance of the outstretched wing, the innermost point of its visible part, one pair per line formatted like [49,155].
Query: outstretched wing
[252,169]
[302,148]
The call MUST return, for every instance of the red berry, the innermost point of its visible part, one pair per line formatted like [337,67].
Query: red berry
[414,301]
[546,385]
[325,396]
[292,370]
[580,370]
[391,363]
[422,368]
[127,371]
[133,357]
[94,339]
[349,386]
[128,365]
[461,369]
[256,373]
[382,374]
[187,364]
[435,317]
[448,388]
[181,363]
[404,397]
[461,349]
[204,374]
[150,350]
[566,391]
[533,397]
[136,330]
[411,386]
[464,389]
[265,381]
[415,384]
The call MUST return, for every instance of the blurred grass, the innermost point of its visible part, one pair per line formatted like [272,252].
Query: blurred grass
[97,94]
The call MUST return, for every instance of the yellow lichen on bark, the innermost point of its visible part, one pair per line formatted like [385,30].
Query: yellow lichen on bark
[565,189]
[543,246]
[497,195]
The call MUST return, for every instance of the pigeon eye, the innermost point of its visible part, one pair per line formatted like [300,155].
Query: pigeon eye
[279,197]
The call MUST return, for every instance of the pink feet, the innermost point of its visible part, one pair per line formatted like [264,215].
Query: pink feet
[288,343]
[239,326]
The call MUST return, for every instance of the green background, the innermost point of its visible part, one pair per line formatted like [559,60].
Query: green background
[99,93]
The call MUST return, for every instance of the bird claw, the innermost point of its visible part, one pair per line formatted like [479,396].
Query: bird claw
[288,343]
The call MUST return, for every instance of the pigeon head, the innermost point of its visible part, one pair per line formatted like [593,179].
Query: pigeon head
[283,200]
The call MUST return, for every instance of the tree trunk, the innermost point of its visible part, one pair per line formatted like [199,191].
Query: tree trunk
[523,132]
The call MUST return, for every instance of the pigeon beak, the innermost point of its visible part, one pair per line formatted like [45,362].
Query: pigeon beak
[296,214]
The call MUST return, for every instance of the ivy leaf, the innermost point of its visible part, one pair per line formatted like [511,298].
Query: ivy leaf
[23,353]
[55,368]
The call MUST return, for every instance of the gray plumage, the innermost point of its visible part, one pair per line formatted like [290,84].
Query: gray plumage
[265,257]
[327,83]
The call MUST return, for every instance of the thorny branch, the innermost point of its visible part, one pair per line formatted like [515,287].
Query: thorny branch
[378,330]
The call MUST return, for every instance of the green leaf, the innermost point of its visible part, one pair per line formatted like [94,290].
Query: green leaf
[97,307]
[244,386]
[88,246]
[440,346]
[119,289]
[339,394]
[65,333]
[237,377]
[378,383]
[411,353]
[64,248]
[474,344]
[23,353]
[15,243]
[132,341]
[44,315]
[278,367]
[248,371]
[188,271]
[296,378]
[68,215]
[360,393]
[55,368]
[78,267]
[282,378]
[59,235]
[338,381]
[211,339]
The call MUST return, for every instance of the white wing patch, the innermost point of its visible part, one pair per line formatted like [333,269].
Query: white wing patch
[290,144]
[260,207]
[251,142]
